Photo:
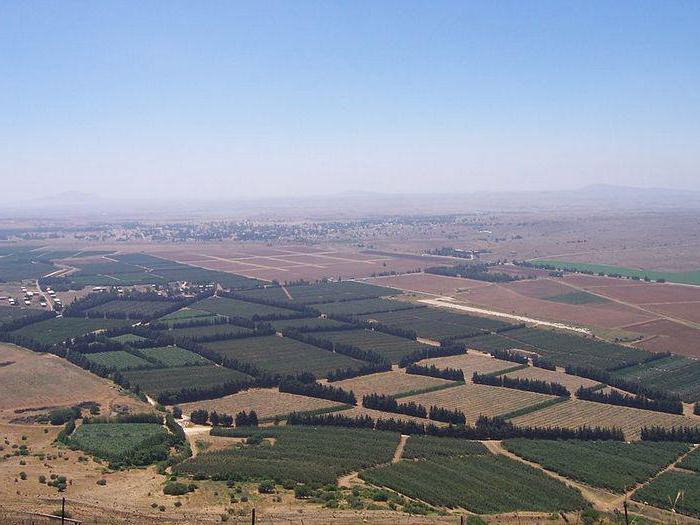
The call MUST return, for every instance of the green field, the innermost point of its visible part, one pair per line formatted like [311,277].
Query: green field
[321,292]
[691,461]
[578,297]
[391,347]
[608,464]
[59,329]
[363,306]
[157,381]
[673,277]
[431,447]
[237,308]
[675,490]
[12,313]
[118,360]
[128,338]
[308,324]
[195,332]
[655,374]
[174,356]
[122,443]
[314,455]
[281,355]
[485,484]
[433,323]
[132,309]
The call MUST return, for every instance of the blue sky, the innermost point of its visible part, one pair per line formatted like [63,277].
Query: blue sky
[237,100]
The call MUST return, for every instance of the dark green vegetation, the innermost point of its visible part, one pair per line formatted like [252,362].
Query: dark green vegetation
[392,348]
[691,461]
[309,455]
[655,374]
[130,309]
[23,263]
[578,297]
[673,490]
[60,329]
[430,447]
[157,382]
[281,355]
[609,464]
[128,338]
[463,474]
[119,360]
[474,270]
[436,324]
[173,356]
[325,292]
[237,308]
[206,331]
[561,349]
[307,324]
[185,314]
[123,443]
[364,306]
[14,313]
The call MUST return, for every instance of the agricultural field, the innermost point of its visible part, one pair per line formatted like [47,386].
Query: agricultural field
[572,383]
[577,297]
[237,308]
[281,355]
[431,447]
[492,342]
[574,413]
[435,324]
[118,360]
[655,374]
[12,313]
[185,314]
[664,335]
[267,403]
[471,362]
[118,442]
[673,490]
[476,400]
[128,338]
[430,283]
[313,455]
[393,383]
[612,465]
[157,381]
[131,309]
[390,347]
[481,483]
[691,277]
[59,329]
[364,306]
[203,331]
[321,292]
[173,356]
[691,461]
[307,324]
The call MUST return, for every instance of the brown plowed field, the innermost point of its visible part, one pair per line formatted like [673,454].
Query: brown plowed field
[687,311]
[572,383]
[669,337]
[267,402]
[575,413]
[636,292]
[388,383]
[469,363]
[429,283]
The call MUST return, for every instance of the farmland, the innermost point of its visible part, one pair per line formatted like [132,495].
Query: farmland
[390,347]
[571,382]
[204,331]
[655,374]
[363,306]
[157,381]
[321,292]
[130,309]
[173,356]
[470,362]
[306,324]
[59,329]
[435,324]
[390,383]
[692,277]
[431,447]
[237,308]
[266,402]
[313,455]
[118,360]
[482,483]
[128,338]
[281,355]
[185,314]
[476,400]
[675,490]
[608,464]
[574,413]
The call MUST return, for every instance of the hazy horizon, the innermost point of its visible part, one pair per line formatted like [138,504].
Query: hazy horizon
[249,101]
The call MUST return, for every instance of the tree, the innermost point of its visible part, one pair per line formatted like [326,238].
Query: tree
[199,417]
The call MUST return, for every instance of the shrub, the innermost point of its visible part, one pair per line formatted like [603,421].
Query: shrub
[266,487]
[174,488]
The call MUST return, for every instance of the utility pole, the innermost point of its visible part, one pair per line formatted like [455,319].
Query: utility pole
[252,519]
[63,510]
[627,519]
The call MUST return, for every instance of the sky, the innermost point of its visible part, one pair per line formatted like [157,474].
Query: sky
[237,100]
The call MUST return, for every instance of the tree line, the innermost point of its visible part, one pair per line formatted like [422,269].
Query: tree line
[518,383]
[450,374]
[670,406]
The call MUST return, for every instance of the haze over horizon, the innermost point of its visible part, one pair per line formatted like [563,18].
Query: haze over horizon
[287,100]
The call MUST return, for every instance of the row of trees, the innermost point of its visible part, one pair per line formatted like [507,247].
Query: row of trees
[541,362]
[455,417]
[508,355]
[670,406]
[313,389]
[340,348]
[390,404]
[478,271]
[531,385]
[451,374]
[623,384]
[216,419]
[683,434]
[484,428]
[431,351]
[346,373]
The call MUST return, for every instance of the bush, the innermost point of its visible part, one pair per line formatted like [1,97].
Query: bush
[102,482]
[266,487]
[174,488]
[302,492]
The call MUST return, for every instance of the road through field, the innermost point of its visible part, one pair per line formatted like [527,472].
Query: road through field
[444,303]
